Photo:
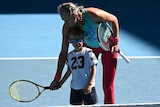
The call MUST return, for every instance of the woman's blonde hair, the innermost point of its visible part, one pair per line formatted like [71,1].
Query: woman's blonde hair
[69,8]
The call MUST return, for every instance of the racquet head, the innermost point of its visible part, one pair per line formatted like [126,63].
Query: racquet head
[104,32]
[25,91]
[104,35]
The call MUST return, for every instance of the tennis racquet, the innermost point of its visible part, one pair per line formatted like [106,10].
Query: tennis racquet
[104,31]
[25,91]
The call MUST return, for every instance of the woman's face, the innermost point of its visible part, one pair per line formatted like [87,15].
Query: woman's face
[69,20]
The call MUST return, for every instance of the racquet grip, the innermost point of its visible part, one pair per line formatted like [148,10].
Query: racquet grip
[47,87]
[123,56]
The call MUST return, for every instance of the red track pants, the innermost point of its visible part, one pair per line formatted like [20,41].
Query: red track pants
[109,62]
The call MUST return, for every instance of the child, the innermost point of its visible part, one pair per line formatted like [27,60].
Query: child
[82,65]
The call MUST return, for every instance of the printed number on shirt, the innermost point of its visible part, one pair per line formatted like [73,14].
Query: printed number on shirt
[77,62]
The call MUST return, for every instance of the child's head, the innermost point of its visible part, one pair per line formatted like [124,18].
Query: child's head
[75,33]
[76,37]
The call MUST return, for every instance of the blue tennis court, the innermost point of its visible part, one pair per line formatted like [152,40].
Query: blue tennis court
[30,44]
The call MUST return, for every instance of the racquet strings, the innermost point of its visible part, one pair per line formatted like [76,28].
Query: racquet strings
[24,91]
[104,34]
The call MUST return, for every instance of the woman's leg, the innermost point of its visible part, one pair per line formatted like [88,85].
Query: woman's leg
[109,62]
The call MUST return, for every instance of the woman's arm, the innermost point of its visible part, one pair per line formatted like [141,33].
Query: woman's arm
[99,15]
[64,50]
[62,57]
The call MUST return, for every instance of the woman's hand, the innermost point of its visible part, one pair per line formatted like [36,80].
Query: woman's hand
[53,84]
[114,48]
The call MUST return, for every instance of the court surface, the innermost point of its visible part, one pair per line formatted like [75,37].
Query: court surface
[30,44]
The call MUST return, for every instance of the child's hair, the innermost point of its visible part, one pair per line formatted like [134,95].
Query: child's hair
[76,32]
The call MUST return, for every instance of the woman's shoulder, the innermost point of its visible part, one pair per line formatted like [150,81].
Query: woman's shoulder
[95,13]
[93,9]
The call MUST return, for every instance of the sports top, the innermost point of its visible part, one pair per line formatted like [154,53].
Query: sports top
[90,31]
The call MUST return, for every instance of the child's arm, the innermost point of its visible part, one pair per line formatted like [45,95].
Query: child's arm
[88,88]
[65,77]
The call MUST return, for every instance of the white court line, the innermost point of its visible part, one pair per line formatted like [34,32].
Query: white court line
[47,58]
[132,57]
[156,104]
[29,58]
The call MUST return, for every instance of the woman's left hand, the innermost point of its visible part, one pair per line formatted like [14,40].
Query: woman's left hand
[114,48]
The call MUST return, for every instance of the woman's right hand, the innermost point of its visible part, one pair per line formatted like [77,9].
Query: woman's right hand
[53,84]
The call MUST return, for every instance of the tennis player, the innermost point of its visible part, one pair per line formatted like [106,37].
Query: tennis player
[82,65]
[88,19]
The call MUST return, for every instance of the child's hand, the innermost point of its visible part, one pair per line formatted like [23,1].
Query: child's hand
[88,89]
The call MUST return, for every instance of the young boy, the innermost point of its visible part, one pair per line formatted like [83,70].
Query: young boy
[82,65]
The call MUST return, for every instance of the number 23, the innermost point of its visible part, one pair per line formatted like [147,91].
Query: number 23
[77,62]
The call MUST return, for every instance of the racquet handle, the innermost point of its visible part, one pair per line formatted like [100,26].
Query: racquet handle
[47,87]
[123,56]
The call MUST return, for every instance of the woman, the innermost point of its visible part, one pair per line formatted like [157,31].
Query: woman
[88,19]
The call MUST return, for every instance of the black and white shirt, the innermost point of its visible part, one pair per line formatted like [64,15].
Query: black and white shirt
[80,65]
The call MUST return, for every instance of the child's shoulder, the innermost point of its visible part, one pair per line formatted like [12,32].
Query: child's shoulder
[87,49]
[70,52]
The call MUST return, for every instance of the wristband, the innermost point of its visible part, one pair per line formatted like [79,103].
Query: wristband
[115,41]
[57,77]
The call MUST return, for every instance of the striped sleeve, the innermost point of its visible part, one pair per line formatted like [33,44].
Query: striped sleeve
[92,58]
